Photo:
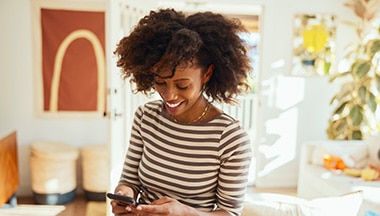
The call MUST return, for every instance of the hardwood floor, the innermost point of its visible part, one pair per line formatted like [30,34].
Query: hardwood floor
[78,207]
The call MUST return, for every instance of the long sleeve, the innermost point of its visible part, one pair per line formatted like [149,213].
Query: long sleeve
[135,149]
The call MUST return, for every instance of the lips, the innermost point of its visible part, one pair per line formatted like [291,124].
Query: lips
[172,107]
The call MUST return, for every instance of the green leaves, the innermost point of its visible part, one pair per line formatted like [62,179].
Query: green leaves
[372,104]
[340,108]
[367,98]
[363,94]
[356,102]
[357,97]
[377,81]
[356,135]
[373,46]
[360,68]
[356,115]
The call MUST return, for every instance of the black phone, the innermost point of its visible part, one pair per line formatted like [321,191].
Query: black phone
[122,200]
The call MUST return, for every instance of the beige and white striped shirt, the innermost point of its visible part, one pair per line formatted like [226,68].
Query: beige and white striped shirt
[204,165]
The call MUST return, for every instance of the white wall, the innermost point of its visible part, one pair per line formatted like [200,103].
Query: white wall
[292,109]
[17,94]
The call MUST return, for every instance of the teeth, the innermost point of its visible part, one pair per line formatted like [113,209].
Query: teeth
[173,105]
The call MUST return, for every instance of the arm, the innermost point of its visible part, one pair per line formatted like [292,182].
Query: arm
[129,183]
[171,207]
[129,174]
[235,157]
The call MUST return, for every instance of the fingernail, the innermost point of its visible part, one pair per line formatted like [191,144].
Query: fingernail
[138,208]
[128,209]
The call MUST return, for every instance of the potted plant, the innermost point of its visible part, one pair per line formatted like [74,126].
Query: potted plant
[356,103]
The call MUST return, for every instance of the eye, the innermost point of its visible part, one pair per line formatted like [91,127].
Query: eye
[182,87]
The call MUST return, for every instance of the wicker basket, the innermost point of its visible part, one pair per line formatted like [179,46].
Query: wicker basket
[95,171]
[53,168]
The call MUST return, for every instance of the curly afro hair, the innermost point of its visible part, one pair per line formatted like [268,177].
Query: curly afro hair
[164,39]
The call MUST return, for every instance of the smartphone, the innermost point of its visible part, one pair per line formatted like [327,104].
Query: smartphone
[122,200]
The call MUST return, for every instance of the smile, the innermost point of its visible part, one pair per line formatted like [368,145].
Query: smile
[173,105]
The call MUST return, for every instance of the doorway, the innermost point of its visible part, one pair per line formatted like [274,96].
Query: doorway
[123,103]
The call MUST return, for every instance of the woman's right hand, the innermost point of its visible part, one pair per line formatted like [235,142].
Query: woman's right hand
[117,208]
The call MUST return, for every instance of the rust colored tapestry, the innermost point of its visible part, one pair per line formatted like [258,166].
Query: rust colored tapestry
[73,44]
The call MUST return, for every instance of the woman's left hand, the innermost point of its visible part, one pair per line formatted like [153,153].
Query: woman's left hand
[164,206]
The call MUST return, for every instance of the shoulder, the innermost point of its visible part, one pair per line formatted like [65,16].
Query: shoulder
[232,131]
[151,109]
[227,127]
[151,106]
[226,120]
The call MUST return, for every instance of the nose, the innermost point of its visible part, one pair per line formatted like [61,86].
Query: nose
[169,93]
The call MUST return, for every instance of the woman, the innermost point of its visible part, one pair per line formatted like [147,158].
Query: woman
[186,157]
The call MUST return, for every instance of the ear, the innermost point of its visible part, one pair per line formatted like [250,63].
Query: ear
[207,75]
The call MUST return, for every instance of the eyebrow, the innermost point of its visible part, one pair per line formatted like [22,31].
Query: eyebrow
[176,80]
[182,79]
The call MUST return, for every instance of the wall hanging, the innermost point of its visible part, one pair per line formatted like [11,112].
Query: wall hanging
[69,58]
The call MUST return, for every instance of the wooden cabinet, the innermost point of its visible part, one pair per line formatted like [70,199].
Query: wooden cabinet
[9,178]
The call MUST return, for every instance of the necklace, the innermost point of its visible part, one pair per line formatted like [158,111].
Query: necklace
[200,117]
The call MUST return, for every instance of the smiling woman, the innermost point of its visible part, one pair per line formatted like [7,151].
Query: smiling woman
[245,112]
[185,155]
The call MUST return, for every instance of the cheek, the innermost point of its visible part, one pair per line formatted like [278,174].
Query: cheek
[159,88]
[192,94]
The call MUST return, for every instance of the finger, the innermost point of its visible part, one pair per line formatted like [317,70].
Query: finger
[126,214]
[161,201]
[128,209]
[116,204]
[150,209]
[113,204]
[124,190]
[120,210]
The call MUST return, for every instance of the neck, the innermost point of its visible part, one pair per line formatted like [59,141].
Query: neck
[199,118]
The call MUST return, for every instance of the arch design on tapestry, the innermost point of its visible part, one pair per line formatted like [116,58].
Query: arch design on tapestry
[100,61]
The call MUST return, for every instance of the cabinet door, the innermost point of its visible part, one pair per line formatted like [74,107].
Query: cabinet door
[9,178]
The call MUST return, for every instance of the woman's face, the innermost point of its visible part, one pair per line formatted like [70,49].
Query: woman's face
[182,93]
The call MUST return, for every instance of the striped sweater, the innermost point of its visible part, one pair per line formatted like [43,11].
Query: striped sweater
[204,165]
